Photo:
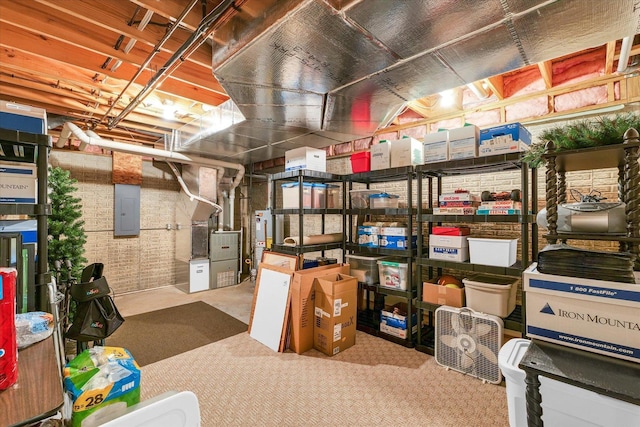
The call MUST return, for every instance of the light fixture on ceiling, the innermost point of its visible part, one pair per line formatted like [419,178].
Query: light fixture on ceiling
[447,98]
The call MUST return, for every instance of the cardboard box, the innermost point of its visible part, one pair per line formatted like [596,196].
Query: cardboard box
[398,242]
[449,254]
[436,147]
[393,320]
[504,139]
[302,304]
[593,315]
[442,295]
[368,236]
[380,155]
[448,241]
[336,298]
[463,142]
[23,118]
[406,152]
[18,183]
[305,158]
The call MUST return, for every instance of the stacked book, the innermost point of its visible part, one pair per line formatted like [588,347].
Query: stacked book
[499,207]
[457,204]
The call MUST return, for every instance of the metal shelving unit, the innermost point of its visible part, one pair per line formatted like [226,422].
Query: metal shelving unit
[527,220]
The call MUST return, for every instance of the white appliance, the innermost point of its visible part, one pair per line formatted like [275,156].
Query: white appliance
[469,342]
[198,275]
[264,233]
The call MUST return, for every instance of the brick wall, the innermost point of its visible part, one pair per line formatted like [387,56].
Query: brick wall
[131,263]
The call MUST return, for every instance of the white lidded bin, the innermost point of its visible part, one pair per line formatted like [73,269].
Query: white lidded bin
[496,252]
[291,195]
[394,273]
[491,294]
[562,404]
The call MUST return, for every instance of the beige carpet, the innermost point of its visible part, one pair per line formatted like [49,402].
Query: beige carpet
[240,382]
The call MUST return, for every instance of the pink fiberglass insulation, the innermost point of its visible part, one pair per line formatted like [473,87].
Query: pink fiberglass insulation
[417,132]
[409,116]
[484,118]
[329,150]
[390,136]
[581,98]
[446,124]
[362,144]
[526,81]
[344,148]
[579,68]
[535,107]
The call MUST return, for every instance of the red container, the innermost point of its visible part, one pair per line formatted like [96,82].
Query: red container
[361,162]
[8,343]
[451,231]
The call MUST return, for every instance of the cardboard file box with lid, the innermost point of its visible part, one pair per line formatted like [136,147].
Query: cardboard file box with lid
[593,315]
[369,236]
[406,152]
[504,139]
[380,155]
[446,247]
[18,183]
[305,158]
[436,147]
[336,296]
[463,142]
[398,238]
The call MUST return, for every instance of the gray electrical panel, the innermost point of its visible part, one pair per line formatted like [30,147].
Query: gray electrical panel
[127,210]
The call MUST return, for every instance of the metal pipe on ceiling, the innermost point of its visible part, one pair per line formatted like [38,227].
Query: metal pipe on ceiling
[153,53]
[204,30]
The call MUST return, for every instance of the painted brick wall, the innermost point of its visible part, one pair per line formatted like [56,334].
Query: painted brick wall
[131,263]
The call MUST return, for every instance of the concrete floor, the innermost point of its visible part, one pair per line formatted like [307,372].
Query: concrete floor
[233,300]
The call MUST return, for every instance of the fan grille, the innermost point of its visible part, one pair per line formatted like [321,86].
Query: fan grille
[469,342]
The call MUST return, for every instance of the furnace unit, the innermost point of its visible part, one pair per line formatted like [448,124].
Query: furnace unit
[224,257]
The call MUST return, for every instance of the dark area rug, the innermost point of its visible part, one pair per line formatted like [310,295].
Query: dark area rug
[164,333]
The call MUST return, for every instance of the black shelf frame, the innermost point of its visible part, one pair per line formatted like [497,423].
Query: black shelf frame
[527,220]
[306,176]
[34,148]
[404,173]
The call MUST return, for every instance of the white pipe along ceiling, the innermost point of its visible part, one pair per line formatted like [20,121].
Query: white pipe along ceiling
[320,72]
[91,138]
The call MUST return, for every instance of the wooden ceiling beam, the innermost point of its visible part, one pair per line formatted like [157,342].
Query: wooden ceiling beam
[546,70]
[496,84]
[610,57]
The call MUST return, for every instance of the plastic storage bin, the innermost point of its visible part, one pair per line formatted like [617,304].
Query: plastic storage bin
[360,198]
[383,201]
[491,294]
[290,195]
[361,162]
[496,252]
[393,273]
[319,196]
[333,197]
[364,268]
[562,404]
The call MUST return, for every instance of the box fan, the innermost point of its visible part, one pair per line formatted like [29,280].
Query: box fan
[469,342]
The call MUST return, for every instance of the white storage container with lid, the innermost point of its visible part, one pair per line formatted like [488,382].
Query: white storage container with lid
[491,294]
[496,252]
[562,404]
[333,197]
[319,196]
[394,273]
[383,201]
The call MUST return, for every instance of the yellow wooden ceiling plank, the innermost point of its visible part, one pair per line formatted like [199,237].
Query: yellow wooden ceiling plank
[546,70]
[496,84]
[608,63]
